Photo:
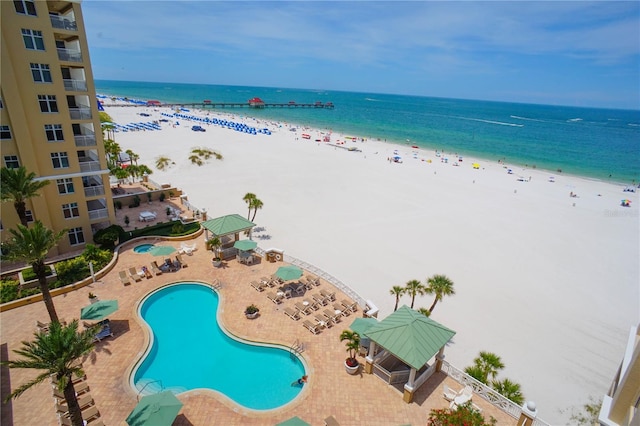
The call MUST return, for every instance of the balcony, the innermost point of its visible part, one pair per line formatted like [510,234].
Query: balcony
[85,140]
[70,55]
[98,214]
[93,191]
[63,23]
[80,113]
[75,85]
[90,166]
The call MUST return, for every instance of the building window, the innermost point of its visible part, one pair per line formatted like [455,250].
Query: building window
[65,186]
[60,160]
[70,210]
[76,236]
[41,73]
[29,215]
[54,132]
[33,39]
[5,132]
[11,161]
[25,7]
[48,103]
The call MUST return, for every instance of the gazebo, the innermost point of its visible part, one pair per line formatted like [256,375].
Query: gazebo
[408,340]
[225,226]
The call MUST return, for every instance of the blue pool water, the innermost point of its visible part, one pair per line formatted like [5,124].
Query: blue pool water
[143,248]
[191,351]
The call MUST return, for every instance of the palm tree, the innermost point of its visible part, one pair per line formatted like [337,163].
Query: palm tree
[31,245]
[112,151]
[424,311]
[414,288]
[120,174]
[18,186]
[489,363]
[509,390]
[133,157]
[397,291]
[248,198]
[256,205]
[56,352]
[441,286]
[162,162]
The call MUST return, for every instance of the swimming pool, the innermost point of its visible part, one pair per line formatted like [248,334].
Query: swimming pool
[189,350]
[143,248]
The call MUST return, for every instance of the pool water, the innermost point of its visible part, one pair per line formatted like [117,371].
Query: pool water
[191,351]
[143,248]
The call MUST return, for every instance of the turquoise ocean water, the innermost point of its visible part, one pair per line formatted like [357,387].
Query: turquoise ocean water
[591,142]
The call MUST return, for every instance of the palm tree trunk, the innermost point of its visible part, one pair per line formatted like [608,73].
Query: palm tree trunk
[255,211]
[433,305]
[397,301]
[413,299]
[21,209]
[249,214]
[39,270]
[72,402]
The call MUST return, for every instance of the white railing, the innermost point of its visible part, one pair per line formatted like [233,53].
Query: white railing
[98,214]
[70,55]
[80,113]
[90,166]
[85,140]
[92,191]
[322,274]
[78,85]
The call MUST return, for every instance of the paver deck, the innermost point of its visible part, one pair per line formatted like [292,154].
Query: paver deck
[352,400]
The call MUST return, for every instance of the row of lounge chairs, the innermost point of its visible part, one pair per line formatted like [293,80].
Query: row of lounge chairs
[90,413]
[168,266]
[325,319]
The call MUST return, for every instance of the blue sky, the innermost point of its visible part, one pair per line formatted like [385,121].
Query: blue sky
[563,53]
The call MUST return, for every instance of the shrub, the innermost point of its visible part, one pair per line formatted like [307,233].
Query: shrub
[8,290]
[108,236]
[71,271]
[464,415]
[118,205]
[251,309]
[162,196]
[28,274]
[177,228]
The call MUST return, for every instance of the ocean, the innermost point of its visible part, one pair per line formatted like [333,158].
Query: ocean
[595,143]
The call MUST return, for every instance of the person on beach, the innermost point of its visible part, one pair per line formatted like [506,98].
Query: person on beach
[300,382]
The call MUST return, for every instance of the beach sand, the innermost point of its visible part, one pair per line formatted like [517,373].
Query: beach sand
[548,282]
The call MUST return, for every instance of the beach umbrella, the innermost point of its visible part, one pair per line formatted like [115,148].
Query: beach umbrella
[294,421]
[159,409]
[361,325]
[289,273]
[99,310]
[161,250]
[245,245]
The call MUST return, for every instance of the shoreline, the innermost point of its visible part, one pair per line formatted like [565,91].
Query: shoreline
[546,281]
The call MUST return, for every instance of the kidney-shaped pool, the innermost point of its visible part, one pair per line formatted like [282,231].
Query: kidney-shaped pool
[189,350]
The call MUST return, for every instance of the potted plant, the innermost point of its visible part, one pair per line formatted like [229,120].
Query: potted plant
[251,311]
[352,340]
[215,244]
[126,220]
[92,298]
[168,211]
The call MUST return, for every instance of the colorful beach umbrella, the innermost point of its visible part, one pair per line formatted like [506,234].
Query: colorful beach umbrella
[99,310]
[162,250]
[245,245]
[159,409]
[288,273]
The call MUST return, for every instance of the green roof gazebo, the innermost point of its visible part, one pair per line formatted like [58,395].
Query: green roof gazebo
[409,340]
[232,224]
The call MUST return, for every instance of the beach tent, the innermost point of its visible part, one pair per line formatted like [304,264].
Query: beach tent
[410,340]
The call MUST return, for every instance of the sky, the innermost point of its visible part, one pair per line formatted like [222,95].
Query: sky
[547,52]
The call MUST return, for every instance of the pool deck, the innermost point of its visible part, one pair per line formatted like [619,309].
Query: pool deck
[352,400]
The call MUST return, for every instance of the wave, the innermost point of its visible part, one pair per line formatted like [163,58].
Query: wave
[372,100]
[633,124]
[500,123]
[528,119]
[572,120]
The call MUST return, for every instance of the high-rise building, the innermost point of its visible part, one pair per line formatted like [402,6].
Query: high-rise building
[49,119]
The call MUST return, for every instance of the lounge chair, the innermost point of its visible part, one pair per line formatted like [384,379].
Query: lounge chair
[315,329]
[181,261]
[147,273]
[449,394]
[331,421]
[257,286]
[274,297]
[349,306]
[154,267]
[103,334]
[88,414]
[84,401]
[319,299]
[322,321]
[332,316]
[124,278]
[304,309]
[327,295]
[134,274]
[291,313]
[339,307]
[80,388]
[44,327]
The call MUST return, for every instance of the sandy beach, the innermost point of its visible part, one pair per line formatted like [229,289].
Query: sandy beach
[547,281]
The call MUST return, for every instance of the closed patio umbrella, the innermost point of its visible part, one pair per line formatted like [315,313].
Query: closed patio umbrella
[99,310]
[288,273]
[159,409]
[245,245]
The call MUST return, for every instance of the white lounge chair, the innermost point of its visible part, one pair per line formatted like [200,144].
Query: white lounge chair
[291,313]
[449,394]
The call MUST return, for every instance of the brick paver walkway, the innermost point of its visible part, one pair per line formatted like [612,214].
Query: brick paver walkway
[353,400]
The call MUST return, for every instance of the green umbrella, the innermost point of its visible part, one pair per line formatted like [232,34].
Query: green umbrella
[162,250]
[159,409]
[245,245]
[294,421]
[361,325]
[99,310]
[289,273]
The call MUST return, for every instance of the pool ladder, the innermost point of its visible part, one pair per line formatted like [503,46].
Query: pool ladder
[296,348]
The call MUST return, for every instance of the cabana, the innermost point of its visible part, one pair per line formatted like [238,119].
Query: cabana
[402,345]
[228,229]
